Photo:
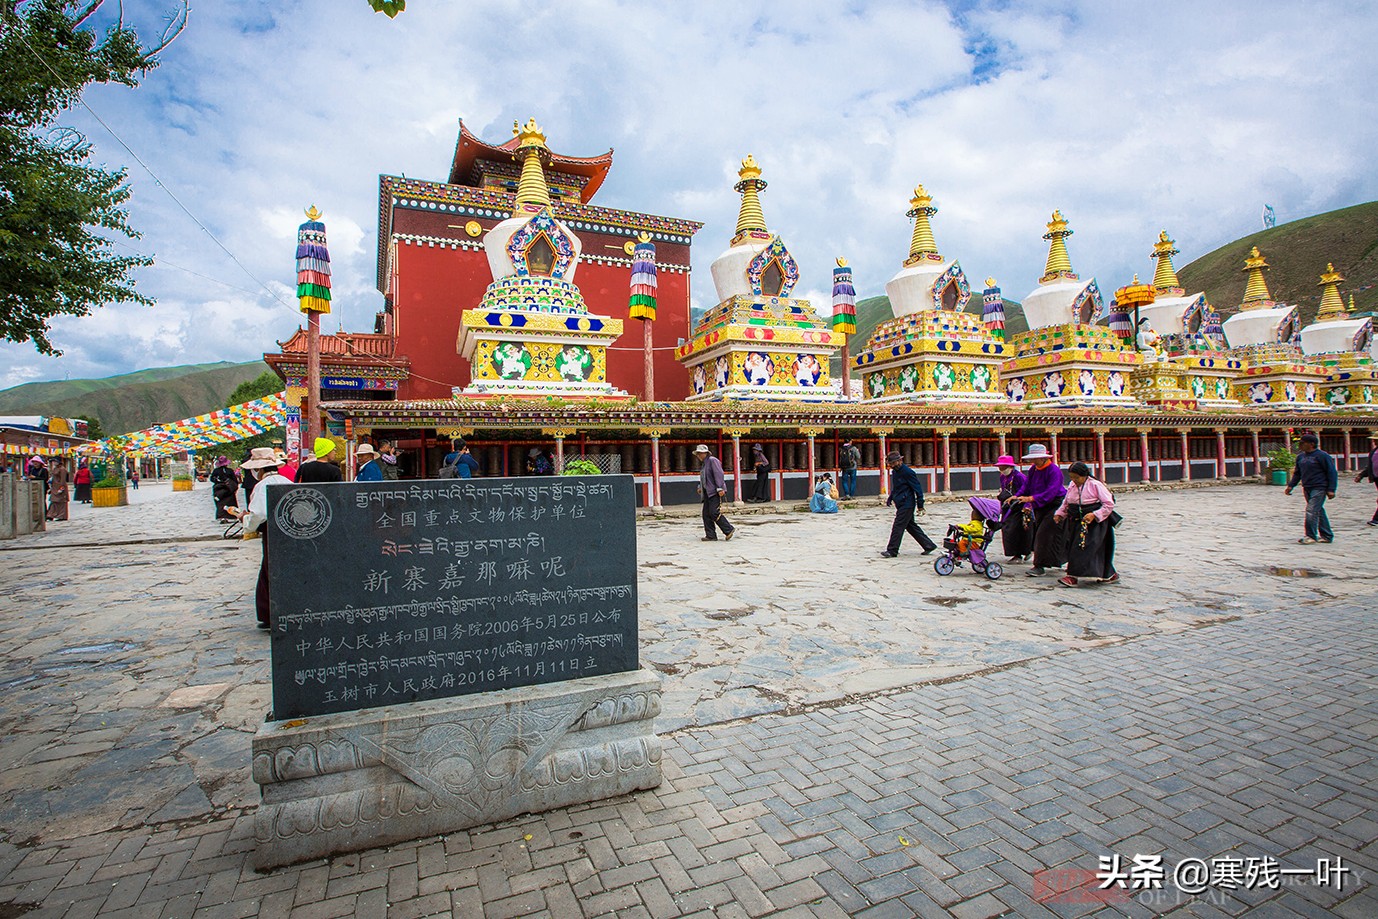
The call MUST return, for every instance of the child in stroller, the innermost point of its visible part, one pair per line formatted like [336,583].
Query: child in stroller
[967,542]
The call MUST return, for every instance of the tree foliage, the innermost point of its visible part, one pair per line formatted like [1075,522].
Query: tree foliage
[58,214]
[389,8]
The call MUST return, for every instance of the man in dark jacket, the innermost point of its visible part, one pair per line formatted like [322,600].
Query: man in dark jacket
[1318,477]
[906,493]
[712,489]
[320,469]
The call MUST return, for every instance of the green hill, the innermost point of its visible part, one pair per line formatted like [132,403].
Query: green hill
[1297,253]
[133,401]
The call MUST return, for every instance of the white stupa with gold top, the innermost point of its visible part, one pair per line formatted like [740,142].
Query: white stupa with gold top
[532,334]
[1191,333]
[1341,343]
[1065,359]
[1265,335]
[932,351]
[758,342]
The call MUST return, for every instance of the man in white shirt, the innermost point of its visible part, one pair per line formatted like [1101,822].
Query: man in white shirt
[265,463]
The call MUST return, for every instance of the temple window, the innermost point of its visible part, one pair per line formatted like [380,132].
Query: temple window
[772,279]
[1194,323]
[950,296]
[540,257]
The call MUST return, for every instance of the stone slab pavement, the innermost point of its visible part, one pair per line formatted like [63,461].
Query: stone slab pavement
[848,735]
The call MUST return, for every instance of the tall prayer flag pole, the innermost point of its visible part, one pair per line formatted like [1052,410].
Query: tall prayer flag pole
[844,319]
[642,304]
[313,293]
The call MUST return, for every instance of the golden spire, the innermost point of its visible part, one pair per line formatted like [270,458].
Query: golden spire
[1165,278]
[1059,265]
[533,195]
[1256,294]
[313,214]
[1332,307]
[751,220]
[922,246]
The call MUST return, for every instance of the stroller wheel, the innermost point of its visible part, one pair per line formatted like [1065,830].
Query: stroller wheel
[993,571]
[944,565]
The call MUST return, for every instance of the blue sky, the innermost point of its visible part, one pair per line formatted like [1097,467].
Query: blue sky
[1130,118]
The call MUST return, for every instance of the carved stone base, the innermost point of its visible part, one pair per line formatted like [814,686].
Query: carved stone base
[355,780]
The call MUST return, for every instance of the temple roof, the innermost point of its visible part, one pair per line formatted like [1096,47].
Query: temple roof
[362,350]
[469,148]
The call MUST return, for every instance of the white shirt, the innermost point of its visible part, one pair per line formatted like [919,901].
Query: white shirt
[258,501]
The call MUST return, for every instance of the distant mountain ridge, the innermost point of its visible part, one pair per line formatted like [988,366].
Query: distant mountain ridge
[134,401]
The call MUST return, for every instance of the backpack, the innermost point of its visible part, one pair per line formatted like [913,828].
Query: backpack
[448,470]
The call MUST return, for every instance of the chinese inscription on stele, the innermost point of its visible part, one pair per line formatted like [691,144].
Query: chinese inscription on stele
[392,592]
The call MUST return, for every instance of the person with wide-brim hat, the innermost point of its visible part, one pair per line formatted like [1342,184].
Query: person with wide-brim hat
[712,490]
[1042,493]
[263,462]
[320,468]
[1370,470]
[371,470]
[1015,536]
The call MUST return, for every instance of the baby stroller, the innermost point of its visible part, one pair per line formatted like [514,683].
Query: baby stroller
[959,547]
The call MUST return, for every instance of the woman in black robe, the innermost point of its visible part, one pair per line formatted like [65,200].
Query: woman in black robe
[224,484]
[1088,513]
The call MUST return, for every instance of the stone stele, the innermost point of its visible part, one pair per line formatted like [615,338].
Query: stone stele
[356,780]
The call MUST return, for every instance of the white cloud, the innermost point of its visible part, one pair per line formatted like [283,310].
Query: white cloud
[1130,118]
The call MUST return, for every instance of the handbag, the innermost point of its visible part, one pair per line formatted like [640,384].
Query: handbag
[832,491]
[1115,518]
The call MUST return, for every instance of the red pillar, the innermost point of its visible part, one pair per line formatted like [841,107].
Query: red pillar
[884,470]
[1258,452]
[737,468]
[811,436]
[655,472]
[1186,455]
[947,462]
[1349,454]
[1100,453]
[1143,454]
[1052,444]
[1220,453]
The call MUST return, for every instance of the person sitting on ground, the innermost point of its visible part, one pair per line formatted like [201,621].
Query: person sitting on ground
[822,500]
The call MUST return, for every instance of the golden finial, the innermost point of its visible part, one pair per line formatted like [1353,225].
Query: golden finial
[529,135]
[533,195]
[922,246]
[312,213]
[643,236]
[1165,277]
[990,282]
[841,262]
[751,220]
[1059,264]
[1332,307]
[1256,294]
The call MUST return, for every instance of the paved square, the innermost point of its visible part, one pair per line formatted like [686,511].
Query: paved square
[847,735]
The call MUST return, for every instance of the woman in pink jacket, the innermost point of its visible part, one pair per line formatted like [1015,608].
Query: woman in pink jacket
[1086,511]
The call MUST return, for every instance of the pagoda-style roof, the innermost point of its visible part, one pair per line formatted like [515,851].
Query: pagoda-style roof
[469,148]
[359,350]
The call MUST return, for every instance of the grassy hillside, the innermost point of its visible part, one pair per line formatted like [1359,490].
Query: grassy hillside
[132,401]
[1297,253]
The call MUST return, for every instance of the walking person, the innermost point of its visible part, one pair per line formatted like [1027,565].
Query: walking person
[57,491]
[1316,473]
[1370,471]
[1042,493]
[848,458]
[264,463]
[712,489]
[906,494]
[1015,537]
[761,463]
[81,492]
[1088,513]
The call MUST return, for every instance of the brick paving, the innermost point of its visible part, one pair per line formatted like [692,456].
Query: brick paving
[1249,732]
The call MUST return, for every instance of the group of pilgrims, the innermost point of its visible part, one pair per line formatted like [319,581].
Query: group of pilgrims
[1051,524]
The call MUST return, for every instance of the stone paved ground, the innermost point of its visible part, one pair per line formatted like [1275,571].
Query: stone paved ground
[914,745]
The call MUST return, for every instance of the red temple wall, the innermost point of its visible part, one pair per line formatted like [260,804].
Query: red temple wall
[435,283]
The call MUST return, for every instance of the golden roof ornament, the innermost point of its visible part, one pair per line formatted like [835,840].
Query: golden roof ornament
[922,246]
[533,195]
[1165,277]
[751,220]
[1332,306]
[313,214]
[841,262]
[1256,294]
[1059,264]
[990,282]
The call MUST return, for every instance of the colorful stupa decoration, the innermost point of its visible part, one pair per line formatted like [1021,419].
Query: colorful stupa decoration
[993,309]
[313,265]
[844,300]
[759,342]
[1266,336]
[532,334]
[1065,359]
[1340,343]
[642,304]
[932,351]
[1157,381]
[1190,332]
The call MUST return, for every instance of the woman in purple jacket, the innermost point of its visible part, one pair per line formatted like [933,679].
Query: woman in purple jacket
[1043,492]
[1014,534]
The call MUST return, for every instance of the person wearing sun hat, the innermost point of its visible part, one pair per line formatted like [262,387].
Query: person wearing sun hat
[712,489]
[262,461]
[320,469]
[1014,532]
[369,470]
[1042,493]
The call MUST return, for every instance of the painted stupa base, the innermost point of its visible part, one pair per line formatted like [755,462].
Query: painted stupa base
[932,357]
[537,352]
[1352,382]
[1163,385]
[1277,377]
[753,347]
[1211,375]
[1069,365]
